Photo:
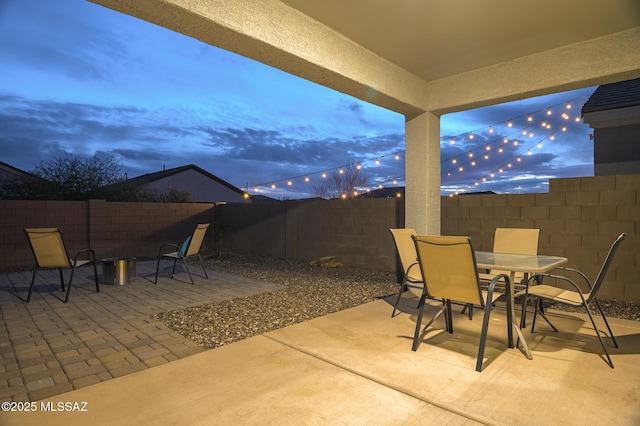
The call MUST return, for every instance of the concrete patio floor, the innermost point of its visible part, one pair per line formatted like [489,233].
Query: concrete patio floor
[351,367]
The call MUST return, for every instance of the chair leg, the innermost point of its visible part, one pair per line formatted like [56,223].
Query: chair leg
[157,269]
[61,278]
[95,274]
[540,310]
[33,280]
[187,268]
[604,348]
[173,271]
[395,305]
[470,307]
[416,335]
[483,335]
[66,298]
[607,323]
[448,316]
[202,265]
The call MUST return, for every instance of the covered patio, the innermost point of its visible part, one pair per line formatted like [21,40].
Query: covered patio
[351,367]
[420,59]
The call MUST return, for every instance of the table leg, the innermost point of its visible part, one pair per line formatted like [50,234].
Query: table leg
[524,348]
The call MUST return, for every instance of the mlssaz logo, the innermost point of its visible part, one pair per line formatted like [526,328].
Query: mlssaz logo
[63,406]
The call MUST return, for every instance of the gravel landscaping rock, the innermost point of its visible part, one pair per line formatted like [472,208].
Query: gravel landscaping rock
[310,292]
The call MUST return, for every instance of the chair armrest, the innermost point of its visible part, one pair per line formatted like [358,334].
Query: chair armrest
[570,281]
[584,277]
[92,255]
[176,247]
[411,266]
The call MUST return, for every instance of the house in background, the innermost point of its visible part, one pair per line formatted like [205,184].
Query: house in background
[202,186]
[8,173]
[613,112]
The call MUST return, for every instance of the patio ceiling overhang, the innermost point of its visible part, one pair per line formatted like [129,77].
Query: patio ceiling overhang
[414,56]
[419,58]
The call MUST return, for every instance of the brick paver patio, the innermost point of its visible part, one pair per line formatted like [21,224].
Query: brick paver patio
[48,347]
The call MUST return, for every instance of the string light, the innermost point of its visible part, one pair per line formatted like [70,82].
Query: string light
[530,117]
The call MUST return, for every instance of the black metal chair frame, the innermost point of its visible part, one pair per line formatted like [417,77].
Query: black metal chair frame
[177,255]
[73,264]
[585,302]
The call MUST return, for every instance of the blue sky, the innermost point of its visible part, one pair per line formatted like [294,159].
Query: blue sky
[80,78]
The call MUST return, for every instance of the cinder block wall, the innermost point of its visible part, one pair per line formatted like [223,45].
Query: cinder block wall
[579,218]
[110,229]
[356,231]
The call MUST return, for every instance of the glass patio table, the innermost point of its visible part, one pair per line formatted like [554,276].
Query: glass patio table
[527,263]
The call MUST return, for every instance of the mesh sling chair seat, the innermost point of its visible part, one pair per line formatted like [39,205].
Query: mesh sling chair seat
[512,240]
[412,276]
[190,248]
[449,269]
[50,252]
[575,297]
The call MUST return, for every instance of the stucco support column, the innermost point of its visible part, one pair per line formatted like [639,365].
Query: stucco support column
[422,164]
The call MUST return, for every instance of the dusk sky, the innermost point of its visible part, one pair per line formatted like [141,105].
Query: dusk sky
[76,77]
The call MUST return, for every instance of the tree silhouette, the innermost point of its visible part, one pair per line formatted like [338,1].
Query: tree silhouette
[342,183]
[67,177]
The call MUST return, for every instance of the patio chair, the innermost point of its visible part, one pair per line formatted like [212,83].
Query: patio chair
[513,240]
[412,277]
[50,251]
[577,298]
[188,249]
[448,266]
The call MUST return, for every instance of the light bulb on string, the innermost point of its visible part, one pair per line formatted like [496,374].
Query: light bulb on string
[273,186]
[324,175]
[490,129]
[306,179]
[289,183]
[539,145]
[377,161]
[549,111]
[397,156]
[471,136]
[505,140]
[454,161]
[529,118]
[509,124]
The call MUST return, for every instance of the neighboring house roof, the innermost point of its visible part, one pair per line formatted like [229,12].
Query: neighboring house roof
[8,171]
[391,192]
[189,178]
[622,94]
[262,199]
